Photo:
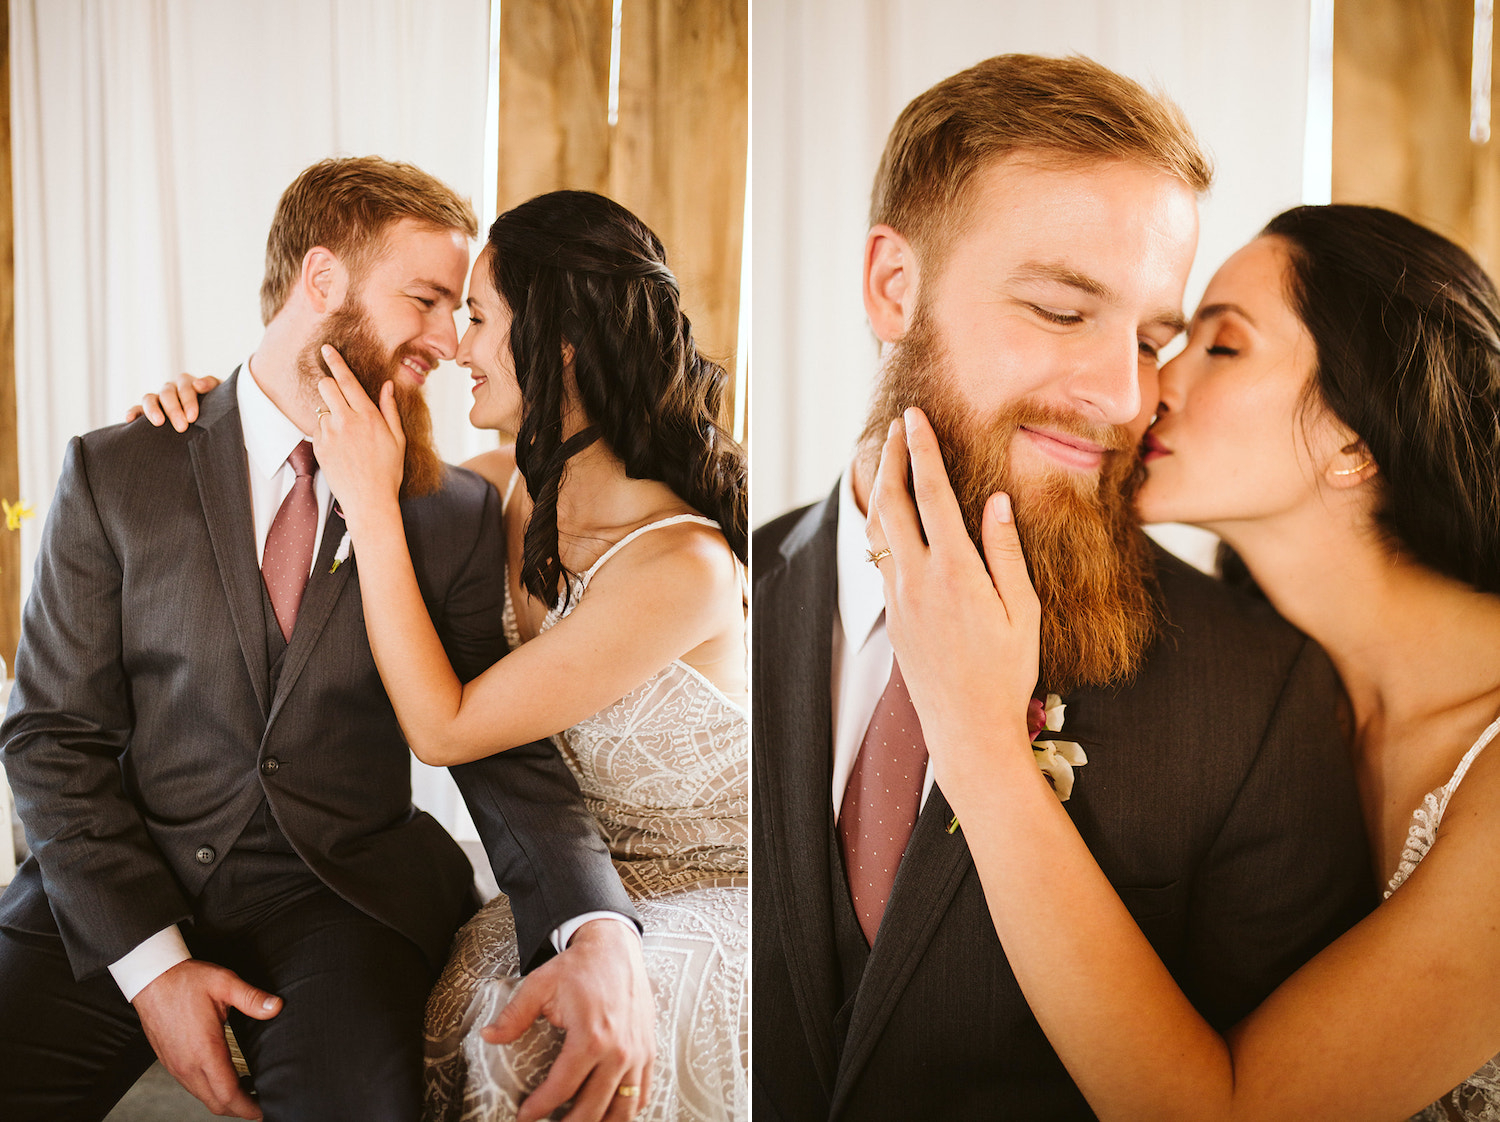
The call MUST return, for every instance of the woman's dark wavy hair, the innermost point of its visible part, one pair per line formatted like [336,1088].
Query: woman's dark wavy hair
[575,267]
[1407,330]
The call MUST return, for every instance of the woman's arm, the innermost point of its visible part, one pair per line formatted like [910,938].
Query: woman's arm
[1381,1023]
[653,603]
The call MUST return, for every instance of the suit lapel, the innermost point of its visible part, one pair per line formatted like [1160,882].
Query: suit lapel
[794,605]
[929,875]
[323,591]
[217,450]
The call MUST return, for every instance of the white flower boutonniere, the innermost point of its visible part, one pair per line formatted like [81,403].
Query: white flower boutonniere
[346,544]
[1056,758]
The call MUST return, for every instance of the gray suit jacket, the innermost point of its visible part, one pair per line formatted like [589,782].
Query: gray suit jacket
[1217,798]
[143,731]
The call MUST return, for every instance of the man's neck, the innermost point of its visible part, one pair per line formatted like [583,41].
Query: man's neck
[274,368]
[862,474]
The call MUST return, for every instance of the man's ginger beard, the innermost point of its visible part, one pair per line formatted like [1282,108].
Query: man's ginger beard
[1089,560]
[348,330]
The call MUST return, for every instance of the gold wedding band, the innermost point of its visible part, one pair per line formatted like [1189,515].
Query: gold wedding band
[628,1090]
[876,556]
[321,413]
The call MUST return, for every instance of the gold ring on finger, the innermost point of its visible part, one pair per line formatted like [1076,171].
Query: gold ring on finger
[321,413]
[628,1090]
[876,556]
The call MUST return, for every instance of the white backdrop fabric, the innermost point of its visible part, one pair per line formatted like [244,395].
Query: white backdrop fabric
[151,141]
[830,77]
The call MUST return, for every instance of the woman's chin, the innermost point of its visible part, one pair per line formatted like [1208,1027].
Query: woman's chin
[1154,504]
[483,418]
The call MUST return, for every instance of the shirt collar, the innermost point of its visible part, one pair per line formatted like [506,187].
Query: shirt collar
[269,435]
[861,590]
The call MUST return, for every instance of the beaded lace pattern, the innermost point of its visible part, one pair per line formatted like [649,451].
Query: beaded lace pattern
[665,770]
[1476,1099]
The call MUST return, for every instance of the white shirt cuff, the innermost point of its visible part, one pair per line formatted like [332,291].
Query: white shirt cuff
[565,931]
[149,961]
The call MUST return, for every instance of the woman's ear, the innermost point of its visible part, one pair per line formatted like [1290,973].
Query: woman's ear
[890,283]
[568,354]
[1350,466]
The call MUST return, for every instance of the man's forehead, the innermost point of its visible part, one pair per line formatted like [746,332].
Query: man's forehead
[421,253]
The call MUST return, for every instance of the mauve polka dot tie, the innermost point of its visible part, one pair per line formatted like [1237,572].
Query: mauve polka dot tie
[881,801]
[287,561]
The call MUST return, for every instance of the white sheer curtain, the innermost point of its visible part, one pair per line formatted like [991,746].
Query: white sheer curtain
[829,78]
[152,139]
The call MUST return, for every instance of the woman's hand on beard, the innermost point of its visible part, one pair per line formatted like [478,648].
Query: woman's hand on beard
[360,447]
[966,631]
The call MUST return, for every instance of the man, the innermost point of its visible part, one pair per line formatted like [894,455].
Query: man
[1033,224]
[213,782]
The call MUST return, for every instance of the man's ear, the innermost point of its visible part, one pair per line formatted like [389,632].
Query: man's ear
[890,283]
[324,280]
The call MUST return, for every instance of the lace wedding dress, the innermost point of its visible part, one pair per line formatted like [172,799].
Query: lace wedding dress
[665,771]
[1476,1099]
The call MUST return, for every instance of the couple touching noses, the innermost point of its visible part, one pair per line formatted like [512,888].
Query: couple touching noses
[216,784]
[1146,896]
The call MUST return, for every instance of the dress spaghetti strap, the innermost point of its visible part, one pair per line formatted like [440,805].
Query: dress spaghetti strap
[588,574]
[1463,765]
[510,489]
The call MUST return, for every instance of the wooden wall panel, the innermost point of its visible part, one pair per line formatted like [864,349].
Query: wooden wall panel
[677,154]
[554,89]
[10,468]
[1401,119]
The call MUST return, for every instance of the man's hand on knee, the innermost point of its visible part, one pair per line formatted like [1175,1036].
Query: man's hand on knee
[183,1013]
[597,992]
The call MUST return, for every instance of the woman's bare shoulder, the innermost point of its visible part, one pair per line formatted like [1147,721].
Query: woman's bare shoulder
[496,466]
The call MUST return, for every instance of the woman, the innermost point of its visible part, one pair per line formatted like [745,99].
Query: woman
[1335,418]
[625,521]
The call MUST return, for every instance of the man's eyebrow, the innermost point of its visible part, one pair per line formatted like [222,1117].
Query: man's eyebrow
[1072,278]
[436,286]
[1061,274]
[1171,318]
[1211,311]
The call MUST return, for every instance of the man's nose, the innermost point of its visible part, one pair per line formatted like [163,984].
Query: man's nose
[1107,385]
[442,337]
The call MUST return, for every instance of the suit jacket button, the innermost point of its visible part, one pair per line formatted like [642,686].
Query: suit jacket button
[270,765]
[205,855]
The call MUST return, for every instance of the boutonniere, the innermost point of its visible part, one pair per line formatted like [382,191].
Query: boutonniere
[1056,758]
[346,544]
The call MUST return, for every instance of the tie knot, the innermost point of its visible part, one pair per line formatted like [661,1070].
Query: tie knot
[302,459]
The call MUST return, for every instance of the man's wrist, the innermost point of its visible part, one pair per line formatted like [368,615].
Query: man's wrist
[565,931]
[152,958]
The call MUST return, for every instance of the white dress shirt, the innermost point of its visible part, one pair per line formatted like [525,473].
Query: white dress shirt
[862,655]
[270,438]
